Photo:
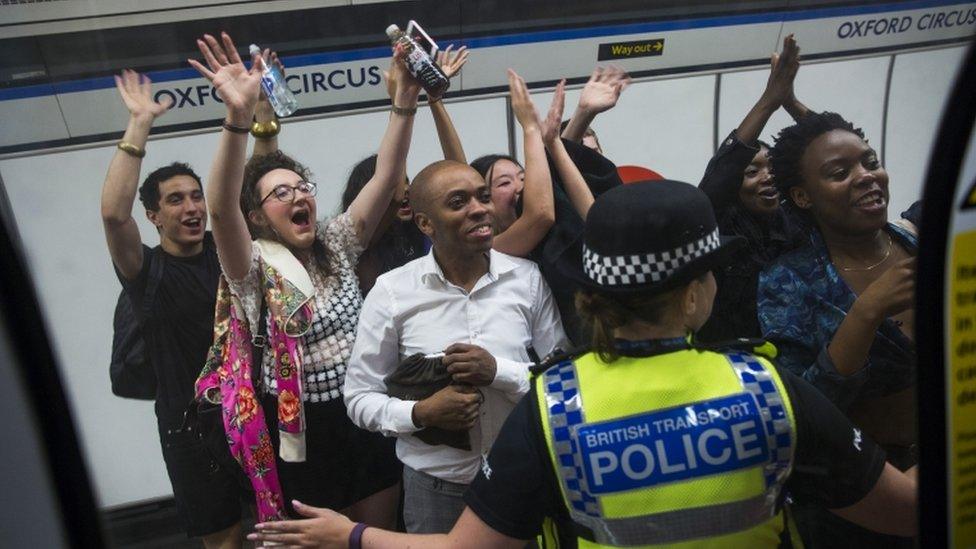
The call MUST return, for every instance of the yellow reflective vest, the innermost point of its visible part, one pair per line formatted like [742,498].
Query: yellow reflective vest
[685,449]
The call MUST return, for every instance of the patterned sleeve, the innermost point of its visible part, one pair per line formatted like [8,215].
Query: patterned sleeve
[786,318]
[339,235]
[248,288]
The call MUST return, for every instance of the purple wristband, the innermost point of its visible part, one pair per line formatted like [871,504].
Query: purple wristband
[356,536]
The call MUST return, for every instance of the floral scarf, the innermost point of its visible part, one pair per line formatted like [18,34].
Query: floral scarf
[226,378]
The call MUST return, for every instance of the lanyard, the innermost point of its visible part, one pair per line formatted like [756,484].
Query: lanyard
[651,347]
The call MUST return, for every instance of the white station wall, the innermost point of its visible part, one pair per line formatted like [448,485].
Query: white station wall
[920,86]
[666,125]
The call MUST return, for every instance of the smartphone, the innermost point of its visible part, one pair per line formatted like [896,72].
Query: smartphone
[415,31]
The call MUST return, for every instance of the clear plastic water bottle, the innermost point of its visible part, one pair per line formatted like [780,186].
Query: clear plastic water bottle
[273,83]
[421,66]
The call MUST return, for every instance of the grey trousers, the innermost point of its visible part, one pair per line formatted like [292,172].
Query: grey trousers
[430,505]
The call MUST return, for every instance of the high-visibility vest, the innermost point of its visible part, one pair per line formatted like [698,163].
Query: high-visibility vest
[685,449]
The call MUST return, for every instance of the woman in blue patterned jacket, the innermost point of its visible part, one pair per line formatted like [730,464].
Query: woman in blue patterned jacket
[840,311]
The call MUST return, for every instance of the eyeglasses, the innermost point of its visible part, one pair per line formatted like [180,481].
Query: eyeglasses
[286,193]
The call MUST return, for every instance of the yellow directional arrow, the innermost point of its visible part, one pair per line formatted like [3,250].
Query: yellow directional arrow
[970,201]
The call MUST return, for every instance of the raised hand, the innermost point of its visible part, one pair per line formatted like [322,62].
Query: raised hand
[893,292]
[554,119]
[603,89]
[406,87]
[390,76]
[239,87]
[783,67]
[522,105]
[136,92]
[451,64]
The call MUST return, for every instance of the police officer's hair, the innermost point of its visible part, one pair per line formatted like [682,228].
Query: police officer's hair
[604,312]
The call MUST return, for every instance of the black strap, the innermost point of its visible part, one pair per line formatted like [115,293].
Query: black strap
[157,263]
[259,342]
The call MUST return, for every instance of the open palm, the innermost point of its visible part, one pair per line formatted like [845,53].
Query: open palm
[603,89]
[239,88]
[554,119]
[136,92]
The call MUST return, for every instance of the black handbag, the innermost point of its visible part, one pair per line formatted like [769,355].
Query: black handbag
[131,371]
[417,377]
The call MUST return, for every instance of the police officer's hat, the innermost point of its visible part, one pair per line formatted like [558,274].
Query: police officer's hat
[648,237]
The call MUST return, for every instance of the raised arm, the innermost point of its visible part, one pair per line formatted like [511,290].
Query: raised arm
[724,173]
[538,209]
[391,160]
[450,142]
[779,88]
[573,182]
[891,294]
[239,88]
[266,136]
[122,180]
[600,94]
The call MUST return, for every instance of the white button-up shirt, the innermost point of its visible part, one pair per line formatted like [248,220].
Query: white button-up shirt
[414,309]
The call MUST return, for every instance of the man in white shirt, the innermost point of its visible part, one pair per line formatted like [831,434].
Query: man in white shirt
[482,308]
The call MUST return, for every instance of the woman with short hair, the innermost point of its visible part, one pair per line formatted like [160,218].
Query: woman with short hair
[840,310]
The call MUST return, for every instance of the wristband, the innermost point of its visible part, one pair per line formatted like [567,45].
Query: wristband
[356,536]
[431,101]
[265,130]
[131,149]
[404,111]
[234,129]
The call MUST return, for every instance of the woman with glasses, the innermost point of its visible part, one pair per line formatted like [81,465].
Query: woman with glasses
[288,308]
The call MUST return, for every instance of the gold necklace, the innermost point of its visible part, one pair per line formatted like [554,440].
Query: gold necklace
[868,268]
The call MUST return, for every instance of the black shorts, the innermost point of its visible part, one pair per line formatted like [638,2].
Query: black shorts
[343,463]
[208,490]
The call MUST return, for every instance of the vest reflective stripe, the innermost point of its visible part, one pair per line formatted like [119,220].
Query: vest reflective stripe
[565,408]
[757,380]
[565,411]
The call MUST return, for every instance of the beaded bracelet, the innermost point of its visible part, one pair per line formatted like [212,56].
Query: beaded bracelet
[234,129]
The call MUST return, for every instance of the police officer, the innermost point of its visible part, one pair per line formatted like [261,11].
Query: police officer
[650,440]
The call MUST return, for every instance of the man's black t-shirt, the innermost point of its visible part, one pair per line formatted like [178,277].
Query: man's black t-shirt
[179,329]
[833,466]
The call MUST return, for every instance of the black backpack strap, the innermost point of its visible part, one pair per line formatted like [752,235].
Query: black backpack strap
[157,262]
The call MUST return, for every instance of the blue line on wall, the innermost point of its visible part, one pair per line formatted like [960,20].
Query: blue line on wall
[305,60]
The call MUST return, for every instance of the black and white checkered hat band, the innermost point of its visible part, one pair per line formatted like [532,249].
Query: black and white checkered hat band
[625,270]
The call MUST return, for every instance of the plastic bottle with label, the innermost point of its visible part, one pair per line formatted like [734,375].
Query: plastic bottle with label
[420,64]
[273,83]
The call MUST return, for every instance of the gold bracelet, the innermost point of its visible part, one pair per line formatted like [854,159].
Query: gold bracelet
[131,149]
[265,130]
[404,111]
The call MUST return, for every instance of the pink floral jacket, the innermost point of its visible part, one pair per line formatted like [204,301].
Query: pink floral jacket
[226,380]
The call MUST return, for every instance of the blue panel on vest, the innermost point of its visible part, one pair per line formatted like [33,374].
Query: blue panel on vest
[701,439]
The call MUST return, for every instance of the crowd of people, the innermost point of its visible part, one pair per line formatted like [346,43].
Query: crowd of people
[495,354]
